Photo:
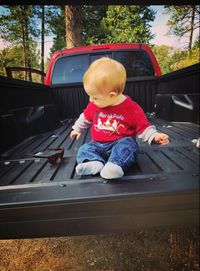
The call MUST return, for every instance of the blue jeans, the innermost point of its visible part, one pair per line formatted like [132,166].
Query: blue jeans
[122,152]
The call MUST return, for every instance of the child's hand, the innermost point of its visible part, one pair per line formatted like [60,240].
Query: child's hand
[74,134]
[161,139]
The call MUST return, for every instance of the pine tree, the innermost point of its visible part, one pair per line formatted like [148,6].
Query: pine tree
[55,22]
[128,24]
[93,31]
[184,20]
[17,26]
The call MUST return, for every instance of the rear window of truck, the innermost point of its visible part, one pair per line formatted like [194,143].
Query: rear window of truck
[70,69]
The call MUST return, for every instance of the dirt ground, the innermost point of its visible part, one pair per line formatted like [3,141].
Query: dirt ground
[149,250]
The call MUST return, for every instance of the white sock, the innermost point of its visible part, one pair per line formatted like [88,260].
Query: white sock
[111,171]
[89,168]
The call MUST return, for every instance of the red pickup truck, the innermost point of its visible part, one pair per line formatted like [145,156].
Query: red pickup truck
[69,65]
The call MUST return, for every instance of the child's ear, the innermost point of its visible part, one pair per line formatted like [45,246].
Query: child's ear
[113,94]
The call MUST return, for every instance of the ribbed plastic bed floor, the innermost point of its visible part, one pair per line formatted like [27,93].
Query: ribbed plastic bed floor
[179,156]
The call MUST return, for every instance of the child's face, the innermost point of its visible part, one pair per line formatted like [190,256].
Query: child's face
[102,100]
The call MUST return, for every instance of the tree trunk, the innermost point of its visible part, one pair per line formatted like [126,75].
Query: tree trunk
[27,45]
[74,26]
[23,39]
[192,28]
[42,43]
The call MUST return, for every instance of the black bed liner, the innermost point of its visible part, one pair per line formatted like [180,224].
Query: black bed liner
[180,156]
[38,199]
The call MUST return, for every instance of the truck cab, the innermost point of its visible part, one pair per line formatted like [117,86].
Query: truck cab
[68,66]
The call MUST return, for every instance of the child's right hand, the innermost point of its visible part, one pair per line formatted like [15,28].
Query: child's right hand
[74,134]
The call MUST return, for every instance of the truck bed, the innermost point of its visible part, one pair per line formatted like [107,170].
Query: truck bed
[38,199]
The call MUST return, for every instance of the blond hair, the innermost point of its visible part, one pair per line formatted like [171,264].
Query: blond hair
[105,75]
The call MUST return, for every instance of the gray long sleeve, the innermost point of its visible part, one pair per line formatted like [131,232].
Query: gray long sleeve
[148,134]
[81,124]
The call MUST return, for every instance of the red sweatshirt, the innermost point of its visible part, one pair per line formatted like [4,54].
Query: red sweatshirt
[114,122]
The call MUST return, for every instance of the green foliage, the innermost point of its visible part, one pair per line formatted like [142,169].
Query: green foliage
[13,57]
[20,25]
[107,24]
[171,59]
[101,24]
[128,24]
[11,23]
[163,55]
[93,32]
[197,43]
[55,19]
[186,58]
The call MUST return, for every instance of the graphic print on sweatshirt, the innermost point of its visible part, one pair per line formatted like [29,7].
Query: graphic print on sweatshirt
[108,123]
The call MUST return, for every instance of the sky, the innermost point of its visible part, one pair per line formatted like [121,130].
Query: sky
[159,28]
